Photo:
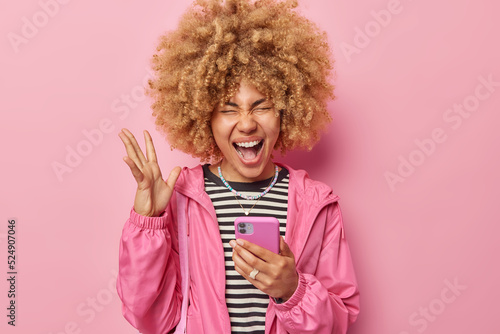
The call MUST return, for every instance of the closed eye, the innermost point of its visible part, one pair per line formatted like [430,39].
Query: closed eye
[261,110]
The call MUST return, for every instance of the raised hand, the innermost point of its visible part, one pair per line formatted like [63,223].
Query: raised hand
[153,193]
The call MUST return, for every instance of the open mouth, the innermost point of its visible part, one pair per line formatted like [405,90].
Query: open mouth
[249,150]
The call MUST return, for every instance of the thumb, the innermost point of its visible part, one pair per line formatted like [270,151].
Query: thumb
[172,178]
[284,249]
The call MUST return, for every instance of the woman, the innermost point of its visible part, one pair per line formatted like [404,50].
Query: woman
[237,80]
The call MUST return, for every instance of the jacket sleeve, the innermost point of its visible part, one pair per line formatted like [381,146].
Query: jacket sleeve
[331,290]
[149,273]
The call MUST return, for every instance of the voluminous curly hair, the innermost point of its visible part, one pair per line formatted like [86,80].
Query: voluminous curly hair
[216,45]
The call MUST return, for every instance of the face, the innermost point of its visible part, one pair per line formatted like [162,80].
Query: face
[246,129]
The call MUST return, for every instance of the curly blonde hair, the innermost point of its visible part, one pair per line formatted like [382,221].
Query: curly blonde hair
[218,43]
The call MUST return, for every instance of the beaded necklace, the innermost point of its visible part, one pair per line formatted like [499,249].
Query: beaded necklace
[245,196]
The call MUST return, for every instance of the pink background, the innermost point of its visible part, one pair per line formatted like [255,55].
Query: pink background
[436,226]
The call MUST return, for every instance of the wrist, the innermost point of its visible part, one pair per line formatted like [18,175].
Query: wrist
[291,292]
[149,214]
[146,222]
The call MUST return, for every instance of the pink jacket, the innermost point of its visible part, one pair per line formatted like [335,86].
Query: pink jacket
[152,258]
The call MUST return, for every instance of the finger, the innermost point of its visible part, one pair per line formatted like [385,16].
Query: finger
[150,148]
[136,172]
[130,149]
[255,250]
[134,148]
[174,175]
[246,274]
[250,259]
[244,269]
[284,249]
[240,271]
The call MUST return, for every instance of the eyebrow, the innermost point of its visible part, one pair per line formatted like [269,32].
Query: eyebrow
[256,103]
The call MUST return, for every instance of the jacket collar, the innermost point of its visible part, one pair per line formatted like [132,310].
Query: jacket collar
[191,184]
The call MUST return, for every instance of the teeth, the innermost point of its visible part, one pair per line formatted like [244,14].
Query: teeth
[248,144]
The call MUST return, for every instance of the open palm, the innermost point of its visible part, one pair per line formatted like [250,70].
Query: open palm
[153,193]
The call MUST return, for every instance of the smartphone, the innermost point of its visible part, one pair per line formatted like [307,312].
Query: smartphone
[263,231]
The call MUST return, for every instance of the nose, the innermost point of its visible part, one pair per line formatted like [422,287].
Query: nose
[246,123]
